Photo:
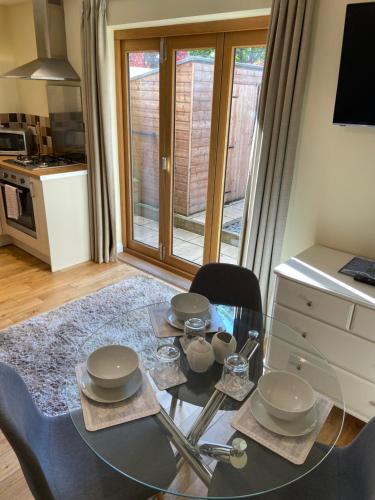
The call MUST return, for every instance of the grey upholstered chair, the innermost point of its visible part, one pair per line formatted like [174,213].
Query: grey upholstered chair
[59,465]
[345,474]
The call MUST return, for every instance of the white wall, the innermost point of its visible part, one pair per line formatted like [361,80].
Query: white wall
[72,11]
[18,46]
[32,94]
[8,90]
[333,201]
[148,11]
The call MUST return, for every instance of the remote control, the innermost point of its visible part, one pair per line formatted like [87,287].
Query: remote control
[364,278]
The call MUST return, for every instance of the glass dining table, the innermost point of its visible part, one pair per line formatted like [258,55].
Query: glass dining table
[212,458]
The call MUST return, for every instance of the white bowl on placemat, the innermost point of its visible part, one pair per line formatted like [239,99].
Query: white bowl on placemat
[189,305]
[285,395]
[112,366]
[100,395]
[294,428]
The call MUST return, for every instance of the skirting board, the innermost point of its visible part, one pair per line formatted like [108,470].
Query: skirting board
[5,240]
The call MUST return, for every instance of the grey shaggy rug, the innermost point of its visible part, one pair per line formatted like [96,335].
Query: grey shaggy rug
[43,348]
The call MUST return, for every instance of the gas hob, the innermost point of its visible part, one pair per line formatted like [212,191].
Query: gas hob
[43,161]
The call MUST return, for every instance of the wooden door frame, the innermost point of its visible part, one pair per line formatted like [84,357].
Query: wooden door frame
[221,26]
[130,38]
[209,40]
[126,46]
[231,42]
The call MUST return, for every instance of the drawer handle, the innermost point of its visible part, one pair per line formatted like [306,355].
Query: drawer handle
[307,301]
[301,332]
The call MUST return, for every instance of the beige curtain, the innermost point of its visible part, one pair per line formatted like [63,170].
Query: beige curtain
[98,129]
[275,139]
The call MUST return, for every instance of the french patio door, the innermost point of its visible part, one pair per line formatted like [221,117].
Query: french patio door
[189,107]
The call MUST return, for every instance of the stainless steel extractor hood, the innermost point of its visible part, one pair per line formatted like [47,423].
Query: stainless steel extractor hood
[52,62]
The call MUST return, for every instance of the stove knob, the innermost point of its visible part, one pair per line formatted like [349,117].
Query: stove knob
[22,181]
[6,175]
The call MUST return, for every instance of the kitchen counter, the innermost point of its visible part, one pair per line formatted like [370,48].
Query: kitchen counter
[41,172]
[56,204]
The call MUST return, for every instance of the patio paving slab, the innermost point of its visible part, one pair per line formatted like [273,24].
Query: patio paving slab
[183,234]
[229,250]
[188,251]
[186,244]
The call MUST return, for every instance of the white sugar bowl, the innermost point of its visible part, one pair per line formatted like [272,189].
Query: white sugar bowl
[200,355]
[223,344]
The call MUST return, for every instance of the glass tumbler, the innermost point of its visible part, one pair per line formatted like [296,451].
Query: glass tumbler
[193,328]
[167,364]
[235,376]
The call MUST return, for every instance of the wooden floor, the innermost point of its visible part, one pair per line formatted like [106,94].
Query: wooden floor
[28,288]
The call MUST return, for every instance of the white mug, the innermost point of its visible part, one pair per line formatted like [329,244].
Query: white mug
[223,344]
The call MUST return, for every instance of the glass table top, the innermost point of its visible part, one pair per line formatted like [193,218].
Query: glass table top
[196,419]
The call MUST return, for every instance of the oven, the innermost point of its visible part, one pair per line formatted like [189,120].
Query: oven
[25,222]
[16,141]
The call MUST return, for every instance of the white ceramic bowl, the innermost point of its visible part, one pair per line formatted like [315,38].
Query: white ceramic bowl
[112,365]
[189,305]
[286,396]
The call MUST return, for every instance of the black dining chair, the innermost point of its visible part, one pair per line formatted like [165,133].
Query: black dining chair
[58,464]
[228,284]
[236,286]
[344,474]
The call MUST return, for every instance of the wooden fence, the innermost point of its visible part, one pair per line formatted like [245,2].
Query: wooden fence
[193,103]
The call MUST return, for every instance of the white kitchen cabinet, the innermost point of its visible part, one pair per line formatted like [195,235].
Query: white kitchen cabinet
[336,315]
[60,203]
[65,199]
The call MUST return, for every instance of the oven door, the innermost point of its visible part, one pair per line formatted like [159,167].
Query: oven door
[26,221]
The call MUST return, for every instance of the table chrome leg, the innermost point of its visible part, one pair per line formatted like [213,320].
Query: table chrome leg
[188,452]
[172,409]
[213,404]
[205,417]
[188,448]
[234,454]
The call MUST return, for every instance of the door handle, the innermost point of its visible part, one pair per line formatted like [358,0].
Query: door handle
[164,163]
[31,186]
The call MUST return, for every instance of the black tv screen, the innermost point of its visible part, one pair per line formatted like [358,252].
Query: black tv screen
[355,98]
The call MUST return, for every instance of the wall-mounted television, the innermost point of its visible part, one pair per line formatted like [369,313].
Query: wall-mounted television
[355,97]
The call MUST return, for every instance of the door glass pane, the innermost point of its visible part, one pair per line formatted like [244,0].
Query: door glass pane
[144,136]
[247,77]
[194,76]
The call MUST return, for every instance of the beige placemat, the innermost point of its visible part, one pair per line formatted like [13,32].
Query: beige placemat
[163,329]
[220,387]
[163,385]
[294,449]
[99,415]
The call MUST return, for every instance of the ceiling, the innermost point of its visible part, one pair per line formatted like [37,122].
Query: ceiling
[13,2]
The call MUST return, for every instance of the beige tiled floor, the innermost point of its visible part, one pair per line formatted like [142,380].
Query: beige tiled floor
[186,244]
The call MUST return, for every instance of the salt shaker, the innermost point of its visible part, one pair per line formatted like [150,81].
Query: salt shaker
[223,344]
[200,355]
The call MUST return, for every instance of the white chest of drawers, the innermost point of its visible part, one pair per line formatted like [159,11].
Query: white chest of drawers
[336,315]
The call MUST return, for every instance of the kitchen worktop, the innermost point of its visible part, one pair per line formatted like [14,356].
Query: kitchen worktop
[41,172]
